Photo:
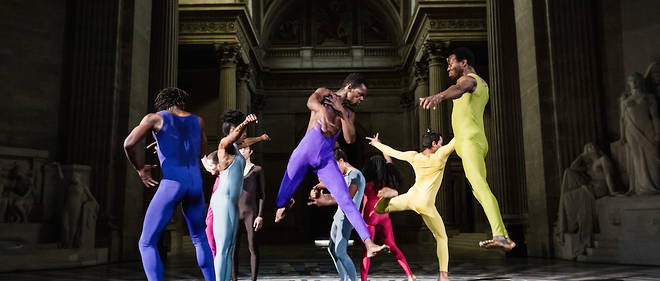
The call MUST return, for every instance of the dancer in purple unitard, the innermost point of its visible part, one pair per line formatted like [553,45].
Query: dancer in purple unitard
[181,141]
[328,119]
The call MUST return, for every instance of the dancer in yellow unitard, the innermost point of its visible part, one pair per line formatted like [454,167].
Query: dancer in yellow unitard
[429,166]
[470,95]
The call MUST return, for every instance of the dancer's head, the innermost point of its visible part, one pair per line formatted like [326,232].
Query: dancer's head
[169,98]
[432,141]
[246,152]
[342,159]
[355,86]
[232,119]
[458,61]
[381,173]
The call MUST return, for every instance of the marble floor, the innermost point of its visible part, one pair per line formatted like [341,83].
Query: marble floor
[313,263]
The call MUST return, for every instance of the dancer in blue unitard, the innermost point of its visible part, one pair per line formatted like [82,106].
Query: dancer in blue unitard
[181,141]
[341,228]
[329,117]
[224,202]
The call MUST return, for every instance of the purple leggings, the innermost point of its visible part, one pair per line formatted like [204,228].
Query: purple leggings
[316,152]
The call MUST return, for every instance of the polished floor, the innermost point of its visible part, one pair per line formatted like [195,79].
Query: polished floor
[298,262]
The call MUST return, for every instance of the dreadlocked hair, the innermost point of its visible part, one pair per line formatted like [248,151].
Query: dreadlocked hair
[171,97]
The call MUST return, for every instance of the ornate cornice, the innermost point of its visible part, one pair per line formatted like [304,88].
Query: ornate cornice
[209,27]
[434,24]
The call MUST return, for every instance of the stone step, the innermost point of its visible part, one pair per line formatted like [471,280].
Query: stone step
[597,259]
[49,259]
[603,252]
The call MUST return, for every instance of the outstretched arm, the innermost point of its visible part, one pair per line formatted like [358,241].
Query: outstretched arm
[465,84]
[250,141]
[401,155]
[227,142]
[150,122]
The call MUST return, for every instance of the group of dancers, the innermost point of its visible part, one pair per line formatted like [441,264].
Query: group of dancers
[238,192]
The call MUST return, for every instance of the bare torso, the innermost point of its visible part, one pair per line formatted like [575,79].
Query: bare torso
[327,118]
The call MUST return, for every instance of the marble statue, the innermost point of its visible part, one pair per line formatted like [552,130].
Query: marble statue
[19,195]
[591,176]
[638,150]
[78,213]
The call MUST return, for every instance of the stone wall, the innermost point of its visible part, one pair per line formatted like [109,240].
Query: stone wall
[31,72]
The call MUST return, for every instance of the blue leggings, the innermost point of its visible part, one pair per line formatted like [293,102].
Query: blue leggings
[158,215]
[339,235]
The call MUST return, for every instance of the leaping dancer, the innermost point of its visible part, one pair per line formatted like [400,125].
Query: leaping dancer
[328,118]
[470,95]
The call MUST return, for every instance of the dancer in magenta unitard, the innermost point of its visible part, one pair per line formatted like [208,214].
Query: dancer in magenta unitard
[379,172]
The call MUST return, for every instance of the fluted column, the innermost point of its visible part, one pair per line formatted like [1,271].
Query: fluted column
[226,55]
[164,45]
[243,88]
[506,173]
[438,77]
[422,90]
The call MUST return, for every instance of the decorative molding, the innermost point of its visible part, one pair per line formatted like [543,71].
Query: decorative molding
[380,52]
[456,24]
[301,83]
[209,27]
[436,49]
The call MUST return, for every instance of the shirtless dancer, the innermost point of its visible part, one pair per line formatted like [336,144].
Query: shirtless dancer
[327,120]
[470,95]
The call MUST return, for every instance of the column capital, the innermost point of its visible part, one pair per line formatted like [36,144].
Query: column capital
[421,69]
[437,50]
[226,52]
[244,72]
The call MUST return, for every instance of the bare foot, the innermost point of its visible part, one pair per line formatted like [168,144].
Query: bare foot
[412,278]
[281,212]
[498,242]
[387,192]
[443,276]
[373,249]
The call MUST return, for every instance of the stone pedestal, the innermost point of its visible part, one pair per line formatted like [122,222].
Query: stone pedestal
[634,224]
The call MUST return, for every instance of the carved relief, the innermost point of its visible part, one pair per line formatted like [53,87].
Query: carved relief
[208,27]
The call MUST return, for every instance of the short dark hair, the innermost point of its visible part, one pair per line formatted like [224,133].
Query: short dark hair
[354,80]
[428,138]
[232,118]
[463,53]
[170,97]
[340,154]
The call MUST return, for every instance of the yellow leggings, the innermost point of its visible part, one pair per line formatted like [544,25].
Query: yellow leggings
[431,217]
[474,166]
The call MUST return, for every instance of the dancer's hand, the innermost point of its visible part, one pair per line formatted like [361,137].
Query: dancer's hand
[335,102]
[251,118]
[265,137]
[145,176]
[373,140]
[154,145]
[430,102]
[258,223]
[315,193]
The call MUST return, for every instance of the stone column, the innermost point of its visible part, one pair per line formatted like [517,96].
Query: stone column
[164,45]
[422,90]
[243,88]
[438,77]
[226,55]
[506,172]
